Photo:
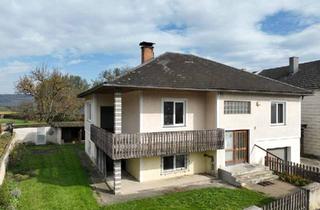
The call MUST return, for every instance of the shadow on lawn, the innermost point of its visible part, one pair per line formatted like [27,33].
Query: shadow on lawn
[51,164]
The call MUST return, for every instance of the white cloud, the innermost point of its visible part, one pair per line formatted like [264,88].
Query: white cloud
[10,73]
[227,31]
[75,61]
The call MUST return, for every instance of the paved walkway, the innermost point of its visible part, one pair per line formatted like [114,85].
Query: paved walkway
[276,190]
[132,189]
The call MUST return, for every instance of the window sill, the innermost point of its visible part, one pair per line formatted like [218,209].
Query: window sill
[174,171]
[277,124]
[174,126]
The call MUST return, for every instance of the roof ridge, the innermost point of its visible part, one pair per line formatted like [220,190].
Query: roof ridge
[137,67]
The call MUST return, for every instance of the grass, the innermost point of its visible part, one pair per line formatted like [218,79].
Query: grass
[19,122]
[51,177]
[209,198]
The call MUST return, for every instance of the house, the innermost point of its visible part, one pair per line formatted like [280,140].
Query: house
[180,114]
[305,75]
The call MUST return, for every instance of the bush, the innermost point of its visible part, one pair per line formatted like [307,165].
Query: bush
[293,179]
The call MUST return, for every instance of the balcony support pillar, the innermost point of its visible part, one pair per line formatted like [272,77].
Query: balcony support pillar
[117,130]
[220,160]
[117,112]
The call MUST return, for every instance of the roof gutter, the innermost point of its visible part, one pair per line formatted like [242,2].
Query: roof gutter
[307,93]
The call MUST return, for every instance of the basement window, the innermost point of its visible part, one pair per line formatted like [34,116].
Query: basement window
[174,113]
[278,113]
[174,162]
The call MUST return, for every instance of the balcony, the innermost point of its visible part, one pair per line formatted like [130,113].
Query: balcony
[125,146]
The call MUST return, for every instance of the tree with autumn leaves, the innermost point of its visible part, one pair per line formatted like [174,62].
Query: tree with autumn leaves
[54,94]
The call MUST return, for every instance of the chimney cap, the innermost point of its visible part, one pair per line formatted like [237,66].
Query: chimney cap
[146,44]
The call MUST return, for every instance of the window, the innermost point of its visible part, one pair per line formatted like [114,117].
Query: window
[278,112]
[174,162]
[88,111]
[237,107]
[173,113]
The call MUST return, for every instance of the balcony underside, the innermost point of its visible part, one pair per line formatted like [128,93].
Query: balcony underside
[125,146]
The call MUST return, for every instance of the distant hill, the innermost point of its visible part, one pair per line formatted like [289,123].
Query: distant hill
[11,100]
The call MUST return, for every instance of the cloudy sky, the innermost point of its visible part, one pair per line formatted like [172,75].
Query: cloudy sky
[85,37]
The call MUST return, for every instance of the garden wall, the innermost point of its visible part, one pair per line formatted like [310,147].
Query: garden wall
[4,159]
[33,135]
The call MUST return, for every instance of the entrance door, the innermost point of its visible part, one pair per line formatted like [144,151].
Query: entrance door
[107,118]
[236,147]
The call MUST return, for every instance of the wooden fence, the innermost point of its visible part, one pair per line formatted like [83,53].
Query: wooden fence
[123,146]
[295,201]
[281,166]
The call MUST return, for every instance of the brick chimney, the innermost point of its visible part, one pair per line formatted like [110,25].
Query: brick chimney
[146,51]
[294,64]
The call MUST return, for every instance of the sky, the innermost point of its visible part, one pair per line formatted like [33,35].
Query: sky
[83,37]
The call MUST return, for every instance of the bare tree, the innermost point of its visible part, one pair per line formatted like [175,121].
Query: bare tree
[110,75]
[54,93]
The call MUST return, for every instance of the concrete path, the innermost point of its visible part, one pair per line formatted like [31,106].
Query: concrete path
[132,189]
[276,190]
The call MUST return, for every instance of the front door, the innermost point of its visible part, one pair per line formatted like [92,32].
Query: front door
[107,118]
[236,147]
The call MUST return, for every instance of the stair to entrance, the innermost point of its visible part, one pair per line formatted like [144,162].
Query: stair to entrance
[242,174]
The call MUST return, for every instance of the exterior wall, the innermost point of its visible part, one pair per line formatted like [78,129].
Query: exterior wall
[150,168]
[311,117]
[29,135]
[130,115]
[133,167]
[261,132]
[197,107]
[142,112]
[131,112]
[96,100]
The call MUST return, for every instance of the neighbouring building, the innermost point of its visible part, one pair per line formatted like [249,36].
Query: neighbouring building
[180,114]
[305,75]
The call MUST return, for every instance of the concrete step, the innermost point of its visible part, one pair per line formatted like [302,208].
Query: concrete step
[246,169]
[242,174]
[253,174]
[257,179]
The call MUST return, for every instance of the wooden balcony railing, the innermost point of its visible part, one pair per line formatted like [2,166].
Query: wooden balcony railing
[124,146]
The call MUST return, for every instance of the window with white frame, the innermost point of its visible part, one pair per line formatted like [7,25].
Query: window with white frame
[174,113]
[237,107]
[88,111]
[174,162]
[278,112]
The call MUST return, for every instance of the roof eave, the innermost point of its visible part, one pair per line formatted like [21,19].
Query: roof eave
[92,90]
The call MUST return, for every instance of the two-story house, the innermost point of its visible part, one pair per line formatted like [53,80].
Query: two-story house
[180,114]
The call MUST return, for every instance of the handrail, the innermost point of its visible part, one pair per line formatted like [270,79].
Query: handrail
[268,153]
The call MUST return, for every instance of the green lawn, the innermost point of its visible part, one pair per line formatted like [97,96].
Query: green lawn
[51,177]
[19,122]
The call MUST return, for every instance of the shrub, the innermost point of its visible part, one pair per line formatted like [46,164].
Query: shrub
[293,179]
